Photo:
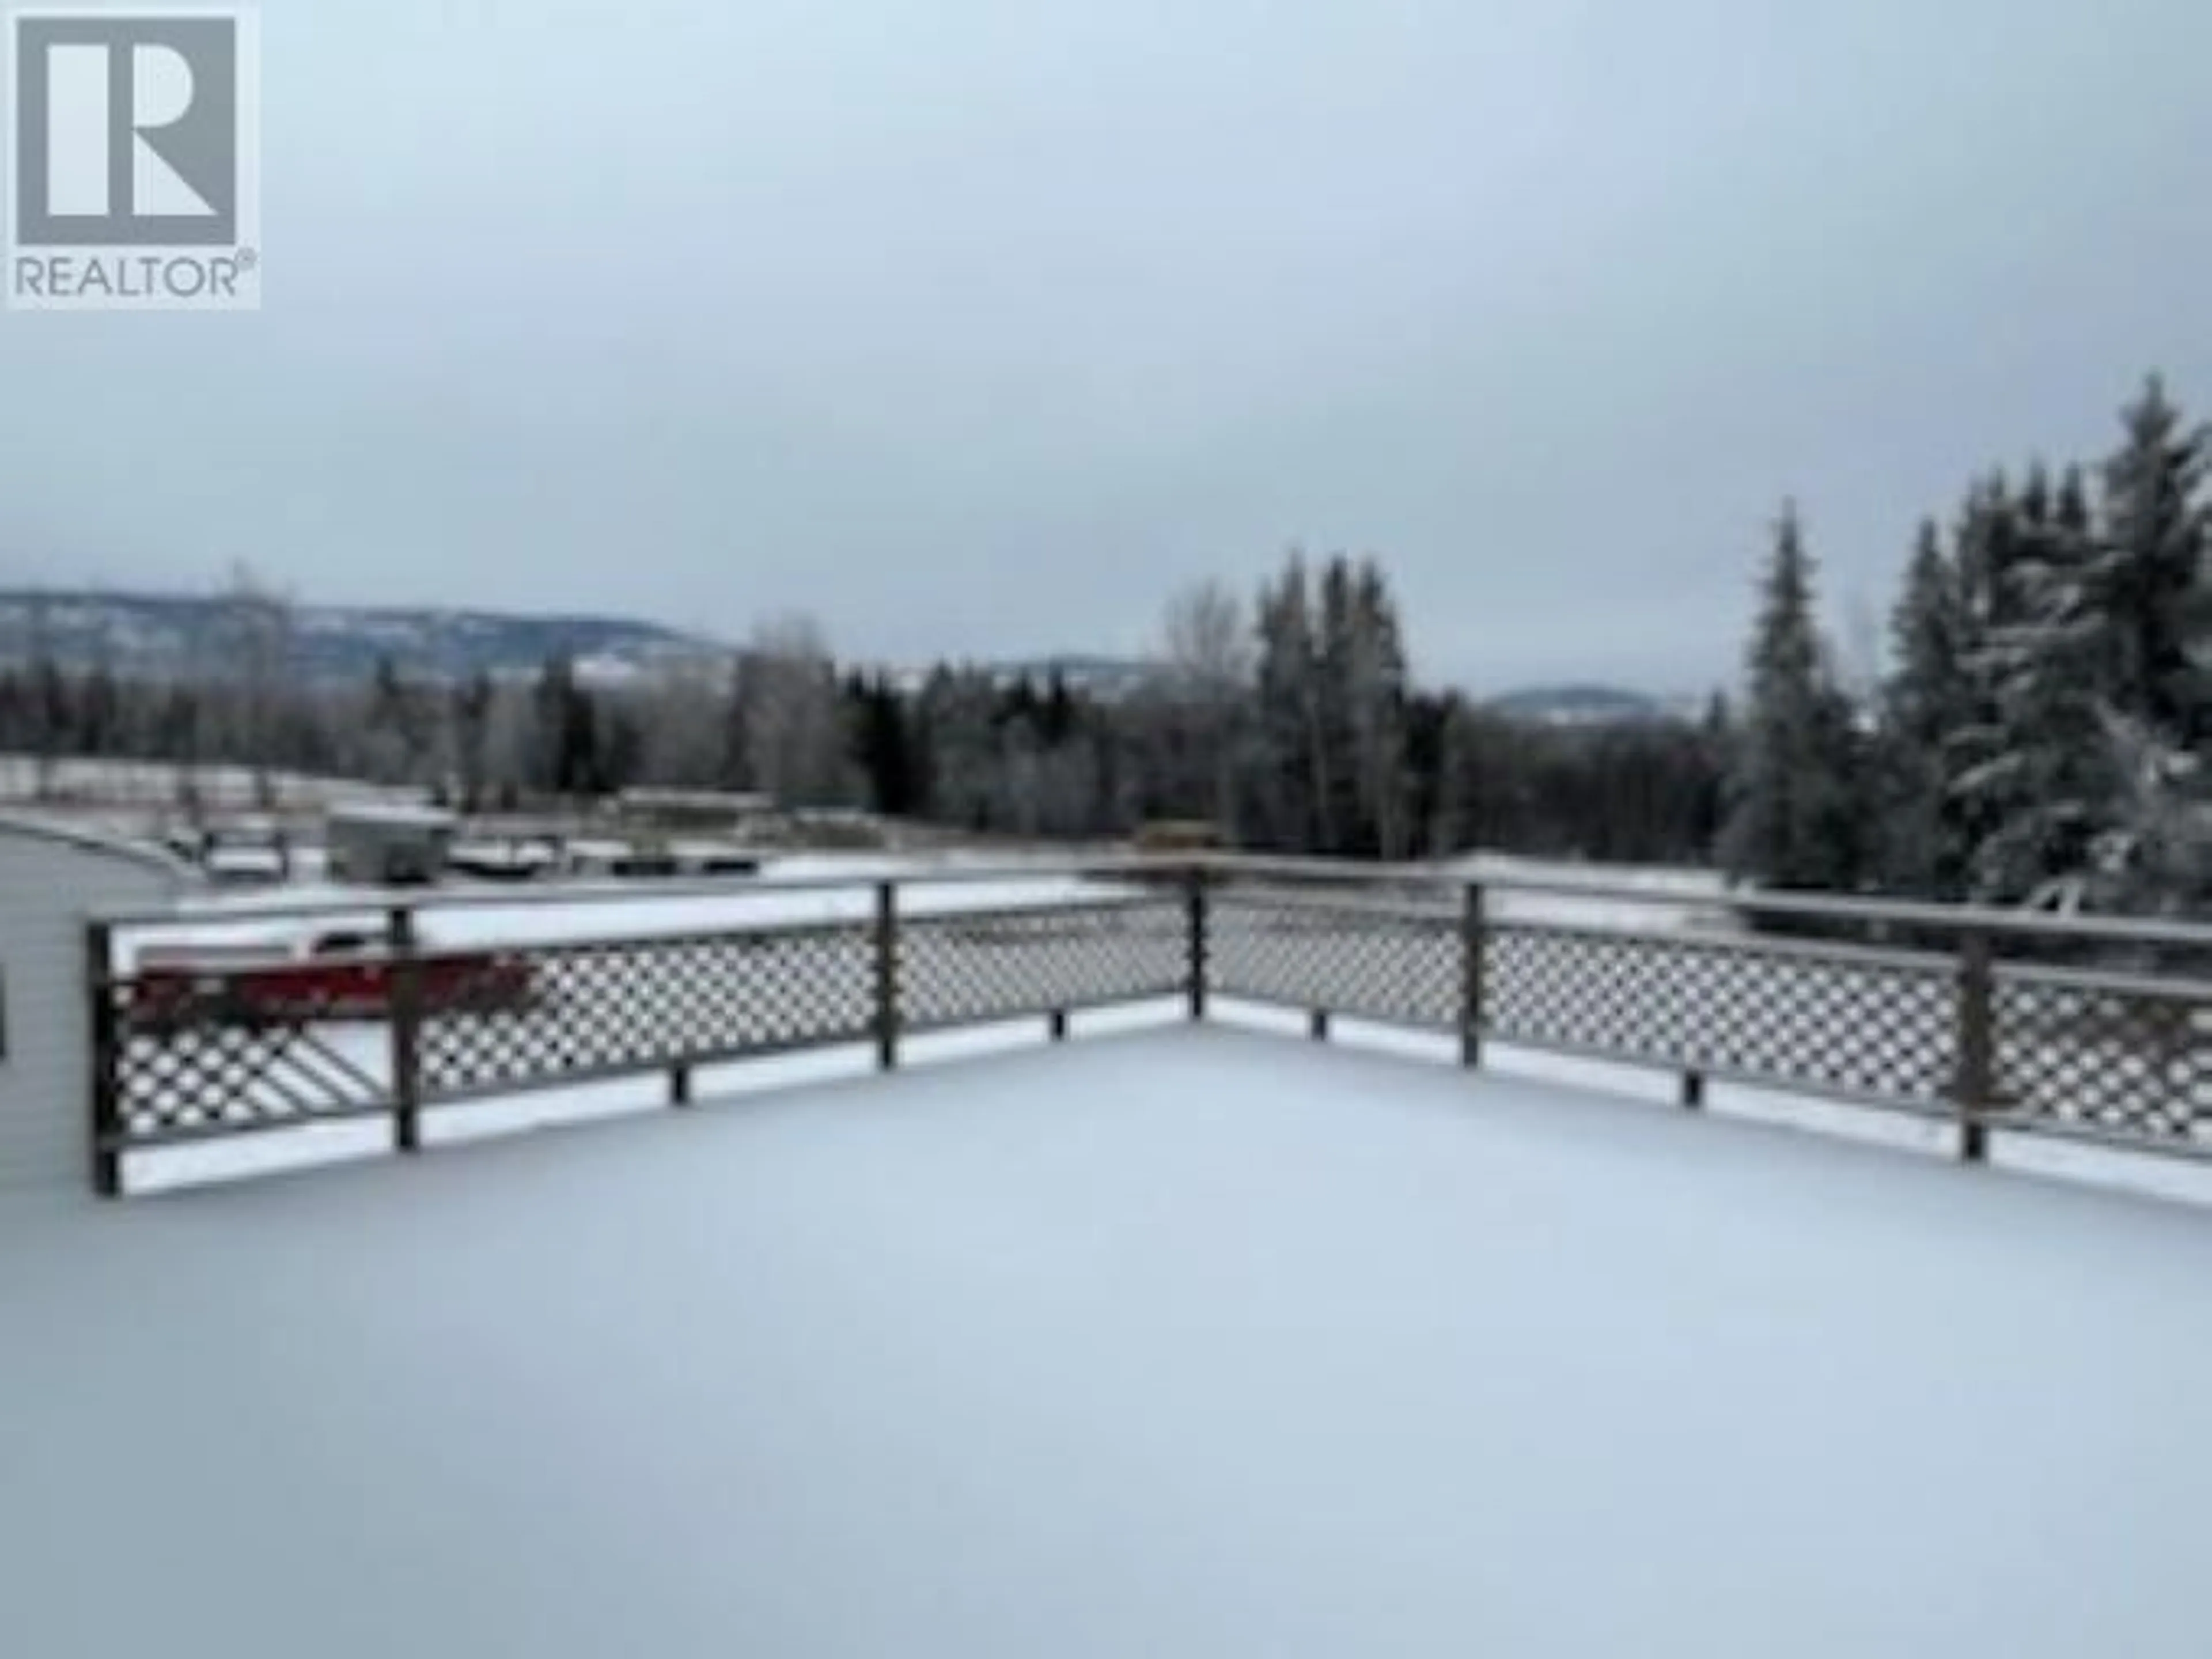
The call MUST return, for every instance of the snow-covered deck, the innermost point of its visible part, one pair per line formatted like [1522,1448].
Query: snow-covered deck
[1196,1342]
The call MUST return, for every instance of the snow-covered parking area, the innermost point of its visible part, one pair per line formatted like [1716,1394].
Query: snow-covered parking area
[1194,1342]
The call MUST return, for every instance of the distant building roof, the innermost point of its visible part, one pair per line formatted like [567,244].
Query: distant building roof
[705,800]
[390,814]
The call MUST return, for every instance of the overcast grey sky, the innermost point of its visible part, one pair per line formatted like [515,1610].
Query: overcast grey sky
[979,327]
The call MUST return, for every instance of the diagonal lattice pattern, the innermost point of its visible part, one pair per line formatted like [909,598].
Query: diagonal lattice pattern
[1879,1026]
[957,968]
[1400,966]
[596,1008]
[2127,1059]
[2111,1057]
[202,1065]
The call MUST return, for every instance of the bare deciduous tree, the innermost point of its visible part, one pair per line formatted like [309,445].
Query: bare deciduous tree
[793,737]
[1210,664]
[258,640]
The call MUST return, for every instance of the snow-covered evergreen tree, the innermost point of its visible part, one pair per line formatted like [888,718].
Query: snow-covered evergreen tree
[1293,779]
[1927,699]
[2044,776]
[1795,817]
[1379,688]
[1988,547]
[2147,586]
[2158,858]
[2147,575]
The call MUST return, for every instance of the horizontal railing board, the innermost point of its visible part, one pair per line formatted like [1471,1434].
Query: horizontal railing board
[644,890]
[184,1134]
[2040,1127]
[922,1027]
[850,1036]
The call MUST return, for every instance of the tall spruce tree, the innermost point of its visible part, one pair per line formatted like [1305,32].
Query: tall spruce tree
[1379,688]
[2147,572]
[2044,774]
[1988,543]
[1794,819]
[1928,698]
[1295,778]
[2150,593]
[1344,826]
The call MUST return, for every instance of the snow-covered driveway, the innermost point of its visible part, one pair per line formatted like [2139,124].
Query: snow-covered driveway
[1194,1342]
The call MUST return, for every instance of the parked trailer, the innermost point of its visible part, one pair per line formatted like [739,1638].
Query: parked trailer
[344,976]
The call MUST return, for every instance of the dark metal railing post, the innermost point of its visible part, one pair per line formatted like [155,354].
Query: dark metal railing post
[1194,900]
[1056,1025]
[1974,1088]
[406,997]
[1693,1095]
[1317,1026]
[1471,932]
[887,1008]
[106,1115]
[679,1083]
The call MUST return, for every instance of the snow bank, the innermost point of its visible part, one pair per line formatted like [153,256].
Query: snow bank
[1192,1345]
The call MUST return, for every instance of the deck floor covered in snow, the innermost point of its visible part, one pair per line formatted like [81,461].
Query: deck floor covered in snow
[1187,1343]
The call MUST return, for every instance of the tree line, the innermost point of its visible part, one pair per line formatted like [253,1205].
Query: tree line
[2041,737]
[1292,721]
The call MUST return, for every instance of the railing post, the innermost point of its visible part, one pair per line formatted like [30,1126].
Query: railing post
[1317,1025]
[1694,1091]
[887,1009]
[406,998]
[1196,905]
[1198,968]
[1057,1025]
[679,1083]
[1974,1088]
[107,1117]
[1470,969]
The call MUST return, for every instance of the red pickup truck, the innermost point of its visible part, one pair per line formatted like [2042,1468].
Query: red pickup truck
[341,975]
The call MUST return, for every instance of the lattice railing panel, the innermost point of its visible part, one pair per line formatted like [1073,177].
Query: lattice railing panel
[1399,965]
[1880,1027]
[2104,1057]
[201,1065]
[596,1008]
[954,969]
[185,1053]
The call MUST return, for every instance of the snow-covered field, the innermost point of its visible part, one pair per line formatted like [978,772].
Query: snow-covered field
[78,779]
[1633,897]
[1198,1343]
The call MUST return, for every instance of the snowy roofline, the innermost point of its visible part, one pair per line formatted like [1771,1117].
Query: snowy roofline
[650,795]
[392,813]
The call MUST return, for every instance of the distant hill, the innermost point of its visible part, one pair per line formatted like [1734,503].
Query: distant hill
[167,634]
[1580,704]
[164,634]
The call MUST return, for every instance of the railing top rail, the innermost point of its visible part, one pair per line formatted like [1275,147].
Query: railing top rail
[245,911]
[1947,919]
[1896,913]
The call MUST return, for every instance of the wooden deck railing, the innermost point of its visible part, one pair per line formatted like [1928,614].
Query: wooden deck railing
[2001,1022]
